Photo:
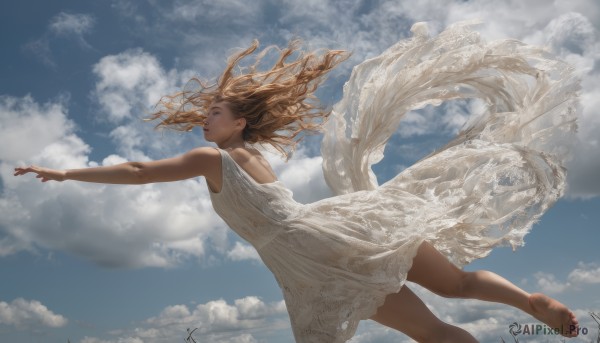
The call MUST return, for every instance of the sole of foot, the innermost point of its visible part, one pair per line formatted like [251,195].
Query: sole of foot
[554,314]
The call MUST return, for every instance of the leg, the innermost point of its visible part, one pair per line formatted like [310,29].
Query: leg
[433,271]
[405,312]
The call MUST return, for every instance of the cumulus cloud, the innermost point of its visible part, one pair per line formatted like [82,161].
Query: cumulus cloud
[27,314]
[119,226]
[23,117]
[215,321]
[133,78]
[304,175]
[128,86]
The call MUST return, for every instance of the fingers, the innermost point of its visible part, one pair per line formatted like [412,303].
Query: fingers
[43,174]
[43,178]
[21,171]
[30,169]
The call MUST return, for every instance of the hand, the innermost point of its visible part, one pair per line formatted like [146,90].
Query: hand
[45,174]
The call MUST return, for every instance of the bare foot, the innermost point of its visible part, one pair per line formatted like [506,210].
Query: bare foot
[554,314]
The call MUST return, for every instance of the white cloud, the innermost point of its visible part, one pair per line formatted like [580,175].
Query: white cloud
[548,284]
[571,32]
[124,226]
[23,119]
[214,321]
[128,86]
[27,314]
[71,23]
[304,175]
[133,78]
[243,251]
[429,121]
[217,314]
[585,273]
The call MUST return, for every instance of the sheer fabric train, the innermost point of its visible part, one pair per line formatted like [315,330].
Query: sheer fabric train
[336,259]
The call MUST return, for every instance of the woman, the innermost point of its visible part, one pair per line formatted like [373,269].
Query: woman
[347,258]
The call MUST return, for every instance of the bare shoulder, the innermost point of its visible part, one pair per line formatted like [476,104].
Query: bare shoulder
[205,159]
[204,152]
[254,163]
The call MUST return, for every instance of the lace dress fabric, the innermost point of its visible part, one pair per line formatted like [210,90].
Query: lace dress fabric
[337,259]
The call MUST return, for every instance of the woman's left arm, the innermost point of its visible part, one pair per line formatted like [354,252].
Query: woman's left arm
[194,163]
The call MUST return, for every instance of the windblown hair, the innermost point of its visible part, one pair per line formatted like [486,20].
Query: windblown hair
[279,99]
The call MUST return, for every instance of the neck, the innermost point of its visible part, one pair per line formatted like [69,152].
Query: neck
[232,143]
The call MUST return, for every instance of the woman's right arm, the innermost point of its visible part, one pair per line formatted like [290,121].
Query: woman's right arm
[196,162]
[124,173]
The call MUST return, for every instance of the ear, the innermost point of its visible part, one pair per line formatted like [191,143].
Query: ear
[242,121]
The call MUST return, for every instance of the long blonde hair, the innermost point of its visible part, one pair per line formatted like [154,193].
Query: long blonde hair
[279,99]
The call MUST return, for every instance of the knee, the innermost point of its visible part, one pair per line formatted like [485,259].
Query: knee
[457,288]
[468,280]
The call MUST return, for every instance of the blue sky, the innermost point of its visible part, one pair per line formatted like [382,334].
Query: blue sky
[105,263]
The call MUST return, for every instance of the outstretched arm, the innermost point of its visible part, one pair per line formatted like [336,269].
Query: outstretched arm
[194,163]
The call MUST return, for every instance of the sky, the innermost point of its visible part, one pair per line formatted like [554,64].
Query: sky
[95,263]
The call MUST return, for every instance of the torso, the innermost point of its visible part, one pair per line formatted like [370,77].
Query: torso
[251,160]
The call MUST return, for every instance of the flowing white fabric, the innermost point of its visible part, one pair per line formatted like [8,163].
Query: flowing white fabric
[336,259]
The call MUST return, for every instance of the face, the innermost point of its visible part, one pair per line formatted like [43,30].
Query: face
[221,125]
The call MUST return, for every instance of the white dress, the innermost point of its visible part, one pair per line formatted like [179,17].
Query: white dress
[336,259]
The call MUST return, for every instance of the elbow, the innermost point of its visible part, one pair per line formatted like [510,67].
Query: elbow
[139,173]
